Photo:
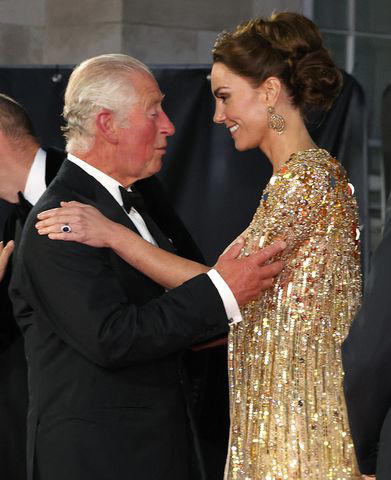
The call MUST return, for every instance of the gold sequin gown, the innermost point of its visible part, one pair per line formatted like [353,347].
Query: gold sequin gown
[288,417]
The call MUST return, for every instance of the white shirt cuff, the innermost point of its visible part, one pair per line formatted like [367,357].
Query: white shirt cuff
[230,304]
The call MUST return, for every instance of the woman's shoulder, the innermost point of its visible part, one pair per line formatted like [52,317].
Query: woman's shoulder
[317,163]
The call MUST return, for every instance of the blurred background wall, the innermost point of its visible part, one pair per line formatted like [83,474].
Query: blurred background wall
[165,31]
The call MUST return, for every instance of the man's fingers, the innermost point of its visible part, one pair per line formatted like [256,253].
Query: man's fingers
[234,250]
[266,253]
[267,283]
[271,270]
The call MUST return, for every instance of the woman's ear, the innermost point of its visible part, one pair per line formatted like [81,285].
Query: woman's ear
[271,89]
[106,126]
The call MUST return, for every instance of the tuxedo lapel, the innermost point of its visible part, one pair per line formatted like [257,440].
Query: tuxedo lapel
[54,160]
[157,234]
[93,193]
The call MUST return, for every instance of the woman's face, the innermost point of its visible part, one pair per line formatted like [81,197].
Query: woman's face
[240,106]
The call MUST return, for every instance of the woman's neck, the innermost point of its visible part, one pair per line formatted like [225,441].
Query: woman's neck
[295,138]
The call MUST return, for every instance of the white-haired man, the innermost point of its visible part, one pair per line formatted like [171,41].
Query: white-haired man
[103,341]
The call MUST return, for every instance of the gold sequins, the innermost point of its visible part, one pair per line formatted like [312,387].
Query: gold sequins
[288,418]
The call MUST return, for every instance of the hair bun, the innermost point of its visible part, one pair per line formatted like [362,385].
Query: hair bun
[314,81]
[286,45]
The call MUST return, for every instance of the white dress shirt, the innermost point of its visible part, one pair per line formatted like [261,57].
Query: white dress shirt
[112,186]
[36,183]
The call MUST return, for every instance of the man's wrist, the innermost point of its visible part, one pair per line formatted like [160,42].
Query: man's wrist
[230,304]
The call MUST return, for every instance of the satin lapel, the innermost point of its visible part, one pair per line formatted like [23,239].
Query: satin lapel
[157,234]
[89,190]
[54,160]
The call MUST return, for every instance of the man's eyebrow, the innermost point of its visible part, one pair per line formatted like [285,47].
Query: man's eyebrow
[159,99]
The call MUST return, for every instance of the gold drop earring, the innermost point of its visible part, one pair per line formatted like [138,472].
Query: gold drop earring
[275,121]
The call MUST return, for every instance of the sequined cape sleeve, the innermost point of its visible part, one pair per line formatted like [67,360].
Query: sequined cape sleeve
[302,199]
[288,418]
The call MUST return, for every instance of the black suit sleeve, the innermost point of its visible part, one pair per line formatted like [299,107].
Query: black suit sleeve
[366,355]
[75,293]
[9,330]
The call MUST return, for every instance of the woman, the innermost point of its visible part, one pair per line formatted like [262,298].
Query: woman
[288,418]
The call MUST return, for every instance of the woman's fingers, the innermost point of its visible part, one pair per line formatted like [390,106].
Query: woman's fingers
[70,208]
[74,203]
[5,253]
[70,237]
[84,224]
[57,228]
[58,220]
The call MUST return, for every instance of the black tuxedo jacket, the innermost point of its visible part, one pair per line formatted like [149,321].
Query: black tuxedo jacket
[366,356]
[13,371]
[103,344]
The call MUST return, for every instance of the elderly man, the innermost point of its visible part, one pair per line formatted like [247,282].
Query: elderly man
[25,171]
[103,341]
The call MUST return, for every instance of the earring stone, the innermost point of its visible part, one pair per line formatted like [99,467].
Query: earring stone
[275,121]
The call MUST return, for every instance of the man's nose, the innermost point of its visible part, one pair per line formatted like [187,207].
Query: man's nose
[167,126]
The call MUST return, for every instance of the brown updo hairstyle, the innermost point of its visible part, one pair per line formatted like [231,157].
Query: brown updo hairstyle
[287,46]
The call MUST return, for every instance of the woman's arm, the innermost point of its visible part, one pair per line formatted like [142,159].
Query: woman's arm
[92,228]
[5,253]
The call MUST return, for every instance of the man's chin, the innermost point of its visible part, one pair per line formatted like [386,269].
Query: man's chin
[153,168]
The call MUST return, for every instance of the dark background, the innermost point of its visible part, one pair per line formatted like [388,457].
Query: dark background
[214,188]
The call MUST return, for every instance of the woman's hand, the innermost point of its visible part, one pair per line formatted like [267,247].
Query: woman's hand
[87,224]
[5,253]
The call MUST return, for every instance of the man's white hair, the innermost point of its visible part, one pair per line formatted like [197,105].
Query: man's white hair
[99,82]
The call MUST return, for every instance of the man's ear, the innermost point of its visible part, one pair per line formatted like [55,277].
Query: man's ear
[106,126]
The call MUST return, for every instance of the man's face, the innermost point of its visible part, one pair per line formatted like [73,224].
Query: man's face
[142,140]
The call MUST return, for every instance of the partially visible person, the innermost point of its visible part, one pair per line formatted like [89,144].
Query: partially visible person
[25,171]
[5,253]
[366,355]
[104,342]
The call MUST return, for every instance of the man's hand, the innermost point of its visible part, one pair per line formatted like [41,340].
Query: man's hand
[248,276]
[5,253]
[369,477]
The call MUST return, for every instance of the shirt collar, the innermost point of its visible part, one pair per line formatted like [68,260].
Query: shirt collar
[36,184]
[111,185]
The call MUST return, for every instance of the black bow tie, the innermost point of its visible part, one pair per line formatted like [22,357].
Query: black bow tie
[132,199]
[23,207]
